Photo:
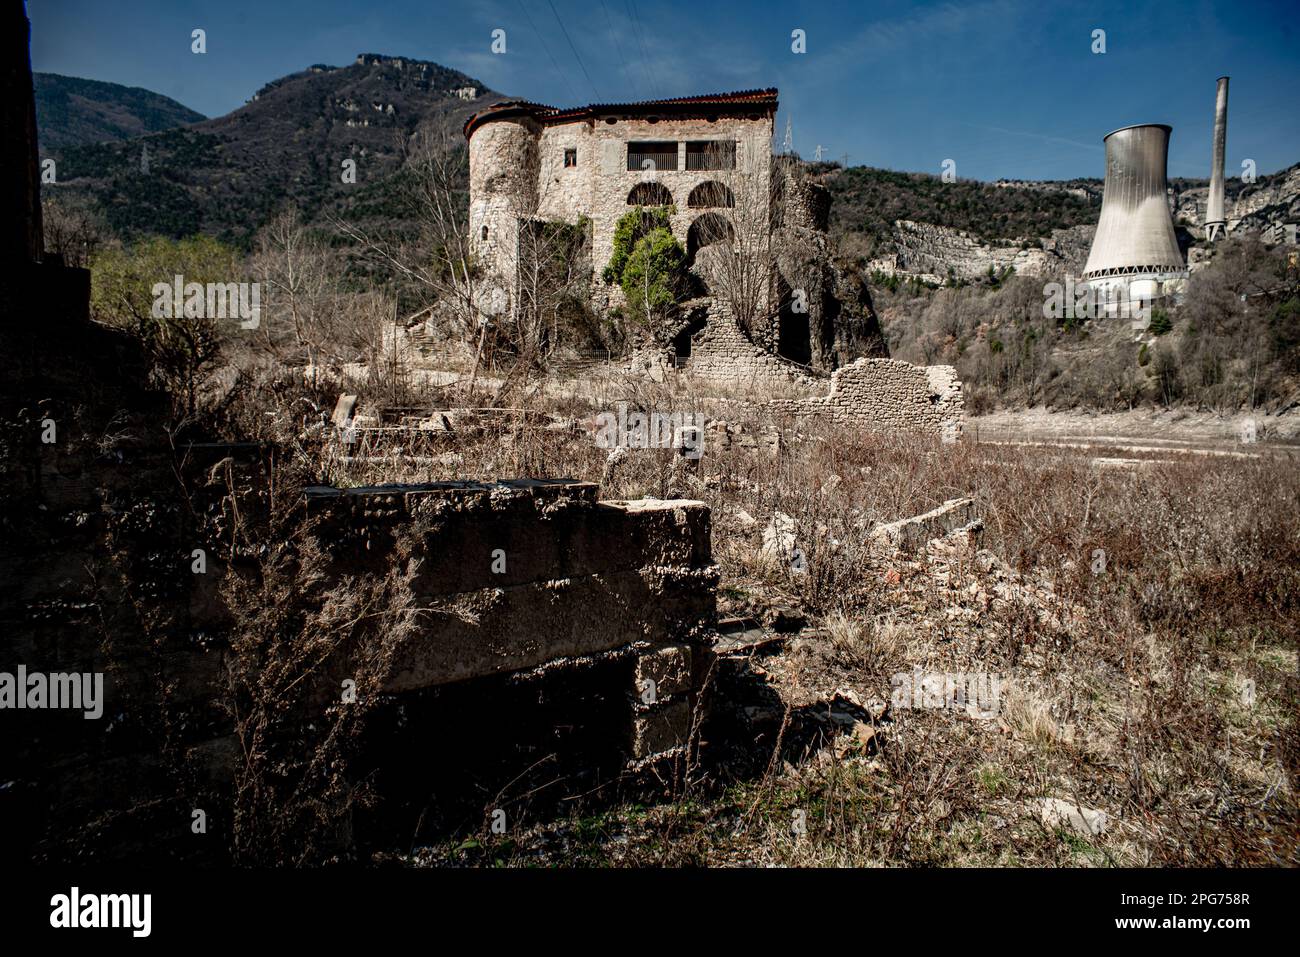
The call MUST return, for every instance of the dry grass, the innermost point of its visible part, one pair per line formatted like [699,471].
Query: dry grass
[1126,680]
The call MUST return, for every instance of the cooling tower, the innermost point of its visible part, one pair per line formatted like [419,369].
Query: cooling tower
[1135,250]
[1216,224]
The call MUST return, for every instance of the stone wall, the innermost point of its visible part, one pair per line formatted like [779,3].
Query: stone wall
[889,395]
[599,185]
[503,165]
[721,353]
[837,323]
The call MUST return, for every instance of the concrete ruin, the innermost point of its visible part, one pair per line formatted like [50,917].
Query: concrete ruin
[588,577]
[911,534]
[120,543]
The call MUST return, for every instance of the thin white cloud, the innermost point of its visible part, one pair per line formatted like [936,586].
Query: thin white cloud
[1035,136]
[922,28]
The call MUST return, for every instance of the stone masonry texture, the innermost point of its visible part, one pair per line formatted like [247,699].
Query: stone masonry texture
[889,395]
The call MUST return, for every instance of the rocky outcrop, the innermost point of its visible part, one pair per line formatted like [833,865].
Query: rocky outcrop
[815,290]
[1264,207]
[936,253]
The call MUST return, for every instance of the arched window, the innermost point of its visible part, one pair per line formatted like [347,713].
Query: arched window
[711,193]
[484,234]
[708,229]
[649,194]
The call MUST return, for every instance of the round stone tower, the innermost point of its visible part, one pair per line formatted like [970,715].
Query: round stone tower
[503,175]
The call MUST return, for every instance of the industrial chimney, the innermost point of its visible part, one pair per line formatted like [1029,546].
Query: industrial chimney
[1216,224]
[1135,250]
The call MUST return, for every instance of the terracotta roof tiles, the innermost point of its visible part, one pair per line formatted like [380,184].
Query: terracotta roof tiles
[727,102]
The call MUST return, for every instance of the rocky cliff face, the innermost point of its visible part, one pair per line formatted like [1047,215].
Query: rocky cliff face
[1261,207]
[841,323]
[935,253]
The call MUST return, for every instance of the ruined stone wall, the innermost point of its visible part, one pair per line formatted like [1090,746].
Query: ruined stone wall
[889,395]
[826,318]
[721,353]
[803,203]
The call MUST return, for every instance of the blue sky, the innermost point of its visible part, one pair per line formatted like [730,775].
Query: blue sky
[1005,88]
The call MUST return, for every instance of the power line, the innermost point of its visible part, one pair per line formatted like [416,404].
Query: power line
[645,59]
[564,76]
[576,56]
[627,67]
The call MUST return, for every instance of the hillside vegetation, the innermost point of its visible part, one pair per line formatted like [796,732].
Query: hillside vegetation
[226,177]
[1232,343]
[71,111]
[869,201]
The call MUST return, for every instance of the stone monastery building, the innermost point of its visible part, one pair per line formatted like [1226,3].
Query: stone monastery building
[710,158]
[532,161]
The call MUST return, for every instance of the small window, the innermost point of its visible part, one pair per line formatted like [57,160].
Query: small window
[570,158]
[484,233]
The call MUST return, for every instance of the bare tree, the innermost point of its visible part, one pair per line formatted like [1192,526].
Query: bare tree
[742,271]
[552,270]
[540,262]
[300,275]
[438,261]
[71,232]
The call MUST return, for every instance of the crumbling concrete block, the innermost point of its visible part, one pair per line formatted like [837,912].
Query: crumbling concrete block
[910,534]
[669,669]
[513,576]
[343,410]
[661,730]
[779,537]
